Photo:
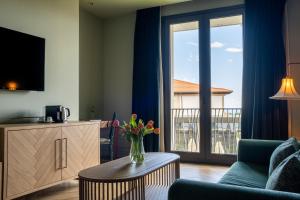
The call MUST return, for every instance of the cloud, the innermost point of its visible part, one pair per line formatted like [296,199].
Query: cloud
[234,50]
[192,44]
[216,44]
[193,57]
[190,58]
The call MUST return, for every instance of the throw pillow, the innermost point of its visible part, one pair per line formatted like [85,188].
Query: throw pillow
[286,177]
[282,152]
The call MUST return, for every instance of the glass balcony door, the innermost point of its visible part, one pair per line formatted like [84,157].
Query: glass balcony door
[226,38]
[202,57]
[185,110]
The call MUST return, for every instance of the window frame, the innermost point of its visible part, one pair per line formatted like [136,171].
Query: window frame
[203,18]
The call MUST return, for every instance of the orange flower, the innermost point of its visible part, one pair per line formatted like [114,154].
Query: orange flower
[156,131]
[150,122]
[149,126]
[127,127]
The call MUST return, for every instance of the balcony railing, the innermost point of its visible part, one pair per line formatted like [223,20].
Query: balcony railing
[225,130]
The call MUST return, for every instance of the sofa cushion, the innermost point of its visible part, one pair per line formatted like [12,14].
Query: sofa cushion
[282,152]
[286,176]
[246,174]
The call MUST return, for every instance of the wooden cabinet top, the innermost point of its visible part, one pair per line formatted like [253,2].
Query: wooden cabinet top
[46,125]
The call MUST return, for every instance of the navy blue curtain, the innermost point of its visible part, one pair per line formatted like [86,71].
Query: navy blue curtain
[264,67]
[146,69]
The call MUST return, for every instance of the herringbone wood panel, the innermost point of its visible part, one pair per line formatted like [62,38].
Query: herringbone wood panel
[32,159]
[81,144]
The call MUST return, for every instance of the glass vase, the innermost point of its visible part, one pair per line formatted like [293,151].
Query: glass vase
[137,150]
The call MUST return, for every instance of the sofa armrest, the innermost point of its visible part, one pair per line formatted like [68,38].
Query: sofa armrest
[257,151]
[186,189]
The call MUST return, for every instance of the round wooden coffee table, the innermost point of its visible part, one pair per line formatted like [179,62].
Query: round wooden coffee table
[119,179]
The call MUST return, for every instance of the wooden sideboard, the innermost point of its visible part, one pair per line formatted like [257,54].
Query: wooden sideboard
[37,156]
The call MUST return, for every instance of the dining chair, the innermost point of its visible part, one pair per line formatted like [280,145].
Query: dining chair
[110,140]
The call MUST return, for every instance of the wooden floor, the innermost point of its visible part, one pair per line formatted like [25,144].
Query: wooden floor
[69,190]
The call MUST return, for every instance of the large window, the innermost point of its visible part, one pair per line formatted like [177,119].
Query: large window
[205,62]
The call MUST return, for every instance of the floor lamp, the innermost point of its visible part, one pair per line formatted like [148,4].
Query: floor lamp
[287,90]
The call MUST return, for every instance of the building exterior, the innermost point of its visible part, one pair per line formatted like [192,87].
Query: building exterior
[186,95]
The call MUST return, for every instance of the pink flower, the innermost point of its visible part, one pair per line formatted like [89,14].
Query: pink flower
[135,131]
[141,125]
[116,123]
[123,131]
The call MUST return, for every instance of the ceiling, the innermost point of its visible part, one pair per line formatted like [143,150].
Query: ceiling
[112,8]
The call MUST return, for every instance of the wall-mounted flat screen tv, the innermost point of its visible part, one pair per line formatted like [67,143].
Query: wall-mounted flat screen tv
[22,61]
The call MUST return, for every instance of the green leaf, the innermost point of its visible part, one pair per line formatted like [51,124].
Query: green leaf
[148,131]
[133,123]
[128,137]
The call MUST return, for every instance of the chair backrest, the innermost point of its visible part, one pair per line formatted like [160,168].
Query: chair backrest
[112,128]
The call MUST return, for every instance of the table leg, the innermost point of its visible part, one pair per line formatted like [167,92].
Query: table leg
[143,189]
[177,169]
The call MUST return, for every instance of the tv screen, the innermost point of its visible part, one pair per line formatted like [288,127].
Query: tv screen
[22,61]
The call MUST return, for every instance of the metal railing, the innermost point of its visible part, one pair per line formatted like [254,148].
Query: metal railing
[225,130]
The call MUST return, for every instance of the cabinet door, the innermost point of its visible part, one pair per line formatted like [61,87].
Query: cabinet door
[32,159]
[80,149]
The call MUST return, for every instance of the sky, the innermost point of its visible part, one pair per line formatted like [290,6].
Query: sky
[226,60]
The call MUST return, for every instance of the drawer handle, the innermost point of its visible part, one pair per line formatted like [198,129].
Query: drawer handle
[59,164]
[66,152]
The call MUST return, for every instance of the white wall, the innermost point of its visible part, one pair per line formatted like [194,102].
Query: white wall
[57,22]
[117,73]
[90,66]
[118,65]
[192,101]
[294,56]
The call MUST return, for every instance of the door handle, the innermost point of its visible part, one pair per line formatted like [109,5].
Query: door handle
[66,153]
[58,141]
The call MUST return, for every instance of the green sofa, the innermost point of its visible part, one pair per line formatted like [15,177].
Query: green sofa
[245,180]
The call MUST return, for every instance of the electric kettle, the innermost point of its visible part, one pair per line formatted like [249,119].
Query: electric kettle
[64,113]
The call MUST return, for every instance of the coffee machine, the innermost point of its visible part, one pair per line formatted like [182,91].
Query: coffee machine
[58,113]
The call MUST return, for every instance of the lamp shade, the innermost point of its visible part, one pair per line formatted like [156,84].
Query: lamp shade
[12,85]
[287,90]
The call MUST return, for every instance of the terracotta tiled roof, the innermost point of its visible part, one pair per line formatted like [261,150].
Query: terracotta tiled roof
[184,87]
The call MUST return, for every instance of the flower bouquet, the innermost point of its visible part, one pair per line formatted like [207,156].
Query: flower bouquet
[134,132]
